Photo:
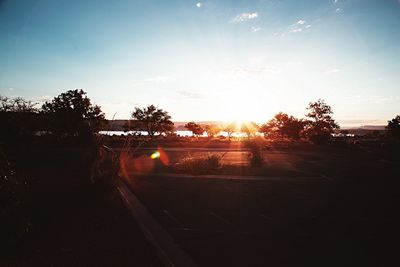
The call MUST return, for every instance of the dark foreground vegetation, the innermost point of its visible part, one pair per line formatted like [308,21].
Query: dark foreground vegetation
[315,199]
[56,209]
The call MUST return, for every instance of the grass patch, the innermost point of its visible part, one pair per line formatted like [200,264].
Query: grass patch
[199,165]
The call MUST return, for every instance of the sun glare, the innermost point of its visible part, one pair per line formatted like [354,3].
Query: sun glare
[240,108]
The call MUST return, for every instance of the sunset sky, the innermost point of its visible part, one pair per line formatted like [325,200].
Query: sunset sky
[207,60]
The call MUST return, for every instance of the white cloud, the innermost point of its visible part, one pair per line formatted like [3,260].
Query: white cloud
[301,22]
[245,17]
[199,4]
[338,1]
[255,29]
[296,30]
[10,89]
[340,9]
[308,26]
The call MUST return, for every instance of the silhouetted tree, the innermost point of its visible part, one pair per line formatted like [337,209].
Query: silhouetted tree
[321,124]
[153,120]
[268,130]
[20,119]
[275,126]
[212,129]
[230,129]
[393,128]
[72,113]
[283,125]
[293,128]
[195,128]
[17,104]
[249,128]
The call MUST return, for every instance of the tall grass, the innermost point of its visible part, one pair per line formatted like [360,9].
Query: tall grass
[199,165]
[255,153]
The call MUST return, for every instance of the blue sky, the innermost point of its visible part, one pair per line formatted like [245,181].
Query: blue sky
[207,60]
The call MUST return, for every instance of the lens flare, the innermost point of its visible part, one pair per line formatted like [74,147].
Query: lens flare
[129,166]
[163,156]
[155,155]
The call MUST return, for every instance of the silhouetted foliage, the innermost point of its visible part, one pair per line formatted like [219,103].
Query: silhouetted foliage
[393,128]
[255,153]
[212,129]
[249,128]
[20,121]
[321,124]
[14,219]
[71,113]
[230,129]
[283,125]
[195,128]
[17,104]
[153,120]
[199,165]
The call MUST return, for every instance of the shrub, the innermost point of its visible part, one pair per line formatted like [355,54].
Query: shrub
[255,156]
[199,165]
[14,219]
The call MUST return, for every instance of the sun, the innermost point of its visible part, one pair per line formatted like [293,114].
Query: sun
[238,108]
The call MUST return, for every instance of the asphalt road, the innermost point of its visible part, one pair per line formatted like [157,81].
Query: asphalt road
[254,223]
[343,216]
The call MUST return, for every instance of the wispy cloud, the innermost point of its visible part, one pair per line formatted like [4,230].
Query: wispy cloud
[297,27]
[301,22]
[340,9]
[245,17]
[199,4]
[296,30]
[255,29]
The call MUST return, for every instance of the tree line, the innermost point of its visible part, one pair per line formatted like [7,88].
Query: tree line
[72,114]
[318,125]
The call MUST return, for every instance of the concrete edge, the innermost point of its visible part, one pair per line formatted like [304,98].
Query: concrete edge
[167,249]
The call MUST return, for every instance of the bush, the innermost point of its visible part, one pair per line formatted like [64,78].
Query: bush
[255,156]
[14,219]
[199,165]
